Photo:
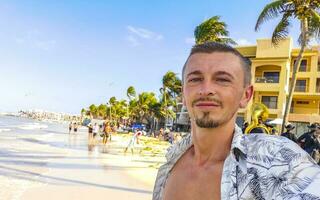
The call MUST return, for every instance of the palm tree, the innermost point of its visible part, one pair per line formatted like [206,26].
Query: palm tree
[212,30]
[102,110]
[171,88]
[93,110]
[307,13]
[131,92]
[83,111]
[142,105]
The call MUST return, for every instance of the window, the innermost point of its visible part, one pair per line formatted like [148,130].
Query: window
[301,86]
[318,85]
[271,77]
[302,102]
[292,106]
[270,101]
[303,65]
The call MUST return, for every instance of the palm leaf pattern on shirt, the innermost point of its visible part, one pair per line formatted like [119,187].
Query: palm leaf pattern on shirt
[288,190]
[273,168]
[254,184]
[288,154]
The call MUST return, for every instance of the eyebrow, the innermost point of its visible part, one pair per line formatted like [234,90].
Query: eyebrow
[224,73]
[218,73]
[196,72]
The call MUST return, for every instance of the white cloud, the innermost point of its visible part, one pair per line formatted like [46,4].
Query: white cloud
[144,33]
[190,40]
[136,35]
[243,42]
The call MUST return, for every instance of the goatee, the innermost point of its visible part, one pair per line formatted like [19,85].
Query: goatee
[205,121]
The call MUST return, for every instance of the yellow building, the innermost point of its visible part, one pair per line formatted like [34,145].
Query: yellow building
[271,71]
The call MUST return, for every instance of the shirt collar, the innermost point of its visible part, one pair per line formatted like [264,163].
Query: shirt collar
[238,146]
[238,141]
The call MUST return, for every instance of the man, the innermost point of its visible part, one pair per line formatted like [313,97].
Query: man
[288,134]
[216,161]
[309,140]
[107,132]
[133,141]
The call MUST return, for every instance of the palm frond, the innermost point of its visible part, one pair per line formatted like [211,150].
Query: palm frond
[227,41]
[314,24]
[282,30]
[271,10]
[211,30]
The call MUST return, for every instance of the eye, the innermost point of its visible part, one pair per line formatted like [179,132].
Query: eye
[195,79]
[223,80]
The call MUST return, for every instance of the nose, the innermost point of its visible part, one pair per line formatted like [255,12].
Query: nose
[207,89]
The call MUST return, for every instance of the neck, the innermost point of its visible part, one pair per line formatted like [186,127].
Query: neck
[212,145]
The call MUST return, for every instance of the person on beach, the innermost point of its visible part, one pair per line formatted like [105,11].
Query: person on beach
[217,161]
[95,130]
[75,127]
[288,134]
[70,127]
[90,131]
[133,141]
[107,132]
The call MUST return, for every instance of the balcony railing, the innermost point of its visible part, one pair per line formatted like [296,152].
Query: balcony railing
[270,104]
[305,110]
[270,79]
[300,88]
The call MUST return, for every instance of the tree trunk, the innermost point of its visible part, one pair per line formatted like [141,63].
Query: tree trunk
[304,28]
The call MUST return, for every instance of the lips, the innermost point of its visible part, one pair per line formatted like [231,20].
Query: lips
[207,104]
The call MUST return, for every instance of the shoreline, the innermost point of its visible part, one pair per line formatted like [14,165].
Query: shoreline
[40,163]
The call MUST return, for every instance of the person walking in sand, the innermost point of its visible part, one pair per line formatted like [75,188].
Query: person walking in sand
[95,130]
[134,139]
[70,127]
[90,132]
[75,127]
[107,133]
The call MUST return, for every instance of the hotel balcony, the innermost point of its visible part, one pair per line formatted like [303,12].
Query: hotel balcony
[293,117]
[274,79]
[267,83]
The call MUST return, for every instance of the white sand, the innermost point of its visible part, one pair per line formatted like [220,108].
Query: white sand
[59,166]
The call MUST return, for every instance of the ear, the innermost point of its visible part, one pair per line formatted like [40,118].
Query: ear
[246,97]
[183,99]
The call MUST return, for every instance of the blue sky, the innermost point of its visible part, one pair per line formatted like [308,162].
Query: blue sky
[65,55]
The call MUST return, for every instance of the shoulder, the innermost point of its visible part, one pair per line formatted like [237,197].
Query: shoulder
[271,149]
[175,151]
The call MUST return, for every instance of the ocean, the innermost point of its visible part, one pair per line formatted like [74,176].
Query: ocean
[27,149]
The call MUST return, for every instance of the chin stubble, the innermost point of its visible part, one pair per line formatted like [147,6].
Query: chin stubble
[205,121]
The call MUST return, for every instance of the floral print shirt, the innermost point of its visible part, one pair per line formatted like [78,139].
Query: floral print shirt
[259,166]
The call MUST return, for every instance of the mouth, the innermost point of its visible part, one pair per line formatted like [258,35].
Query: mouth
[207,104]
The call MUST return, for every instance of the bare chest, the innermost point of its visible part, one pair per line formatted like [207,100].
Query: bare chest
[188,183]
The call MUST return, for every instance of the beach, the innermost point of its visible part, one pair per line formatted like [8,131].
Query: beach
[40,160]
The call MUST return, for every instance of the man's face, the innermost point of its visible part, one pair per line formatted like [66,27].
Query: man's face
[214,88]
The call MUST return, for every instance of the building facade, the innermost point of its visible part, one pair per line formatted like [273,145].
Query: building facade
[271,72]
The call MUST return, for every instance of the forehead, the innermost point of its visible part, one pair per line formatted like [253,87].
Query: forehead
[216,61]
